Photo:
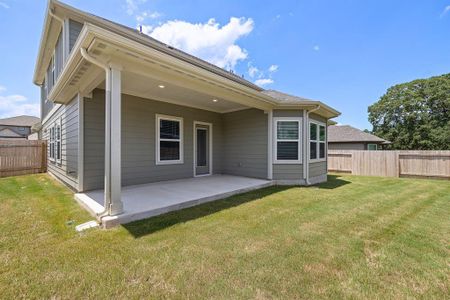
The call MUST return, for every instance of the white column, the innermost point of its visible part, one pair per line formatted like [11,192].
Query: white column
[113,159]
[80,143]
[270,145]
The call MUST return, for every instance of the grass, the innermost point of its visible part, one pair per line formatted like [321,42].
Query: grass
[353,237]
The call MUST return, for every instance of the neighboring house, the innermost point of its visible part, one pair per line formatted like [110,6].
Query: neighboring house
[17,127]
[120,108]
[345,137]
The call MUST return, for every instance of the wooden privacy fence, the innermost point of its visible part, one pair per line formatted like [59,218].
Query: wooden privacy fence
[430,164]
[22,157]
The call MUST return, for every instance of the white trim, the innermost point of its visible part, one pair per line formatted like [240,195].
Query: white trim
[158,160]
[80,170]
[210,125]
[318,124]
[58,141]
[298,140]
[270,144]
[51,152]
[51,113]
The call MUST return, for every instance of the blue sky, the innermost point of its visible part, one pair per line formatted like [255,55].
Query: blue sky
[345,53]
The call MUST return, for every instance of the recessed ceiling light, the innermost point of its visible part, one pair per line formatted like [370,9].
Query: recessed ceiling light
[161,86]
[215,100]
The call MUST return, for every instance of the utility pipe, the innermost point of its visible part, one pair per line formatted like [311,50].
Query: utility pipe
[306,126]
[107,202]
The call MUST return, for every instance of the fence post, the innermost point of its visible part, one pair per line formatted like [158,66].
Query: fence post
[398,164]
[44,157]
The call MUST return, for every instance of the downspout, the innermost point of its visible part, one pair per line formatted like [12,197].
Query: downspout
[306,157]
[86,56]
[50,12]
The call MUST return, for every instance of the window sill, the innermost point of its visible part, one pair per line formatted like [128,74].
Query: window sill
[287,162]
[317,160]
[169,162]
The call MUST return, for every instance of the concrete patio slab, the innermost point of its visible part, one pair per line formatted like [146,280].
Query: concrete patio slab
[148,200]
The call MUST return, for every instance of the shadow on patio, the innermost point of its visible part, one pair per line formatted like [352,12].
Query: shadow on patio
[148,226]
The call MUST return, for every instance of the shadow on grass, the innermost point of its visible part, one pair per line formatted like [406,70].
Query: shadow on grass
[148,226]
[333,182]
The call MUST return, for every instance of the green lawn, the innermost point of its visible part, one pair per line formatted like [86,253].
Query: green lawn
[353,237]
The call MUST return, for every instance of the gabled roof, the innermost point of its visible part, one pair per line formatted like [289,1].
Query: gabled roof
[61,10]
[347,134]
[6,132]
[22,121]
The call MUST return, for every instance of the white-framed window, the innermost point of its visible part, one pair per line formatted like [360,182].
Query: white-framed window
[287,140]
[58,134]
[372,147]
[169,140]
[51,144]
[317,141]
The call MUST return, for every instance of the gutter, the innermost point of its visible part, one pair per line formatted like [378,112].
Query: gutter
[306,123]
[85,55]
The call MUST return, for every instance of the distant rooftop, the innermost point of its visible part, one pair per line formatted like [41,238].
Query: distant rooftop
[24,121]
[347,134]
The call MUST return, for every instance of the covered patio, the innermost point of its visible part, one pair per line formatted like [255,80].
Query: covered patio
[152,199]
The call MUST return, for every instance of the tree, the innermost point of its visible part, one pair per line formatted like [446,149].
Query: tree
[414,115]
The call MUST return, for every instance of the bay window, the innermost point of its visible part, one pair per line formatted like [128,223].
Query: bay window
[169,137]
[287,146]
[317,141]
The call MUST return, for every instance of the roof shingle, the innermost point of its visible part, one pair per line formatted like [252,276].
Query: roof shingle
[346,134]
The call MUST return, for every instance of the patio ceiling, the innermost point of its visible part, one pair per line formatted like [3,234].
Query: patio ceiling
[161,90]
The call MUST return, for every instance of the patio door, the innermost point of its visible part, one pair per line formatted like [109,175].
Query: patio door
[202,149]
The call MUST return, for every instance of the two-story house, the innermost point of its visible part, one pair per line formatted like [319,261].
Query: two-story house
[137,127]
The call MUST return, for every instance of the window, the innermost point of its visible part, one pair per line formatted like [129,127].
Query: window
[287,140]
[317,141]
[51,144]
[169,136]
[58,142]
[372,147]
[21,128]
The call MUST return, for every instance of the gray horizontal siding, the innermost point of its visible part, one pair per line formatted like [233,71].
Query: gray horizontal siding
[287,172]
[245,143]
[287,113]
[66,171]
[74,31]
[138,140]
[317,168]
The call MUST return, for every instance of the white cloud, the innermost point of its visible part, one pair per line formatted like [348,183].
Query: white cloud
[273,68]
[14,105]
[445,11]
[316,48]
[148,15]
[208,41]
[263,81]
[133,5]
[252,70]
